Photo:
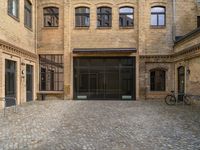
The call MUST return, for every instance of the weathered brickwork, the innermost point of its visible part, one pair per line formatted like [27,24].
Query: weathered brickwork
[17,43]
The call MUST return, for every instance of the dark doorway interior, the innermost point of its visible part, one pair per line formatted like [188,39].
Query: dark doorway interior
[104,78]
[181,82]
[29,83]
[10,81]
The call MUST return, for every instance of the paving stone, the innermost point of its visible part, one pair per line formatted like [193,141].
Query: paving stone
[99,125]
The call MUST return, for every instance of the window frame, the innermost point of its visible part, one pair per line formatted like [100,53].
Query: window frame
[198,21]
[30,11]
[157,16]
[50,14]
[101,14]
[9,9]
[124,14]
[156,88]
[47,66]
[82,15]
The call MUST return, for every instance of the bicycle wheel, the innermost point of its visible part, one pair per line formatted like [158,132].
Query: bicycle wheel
[187,100]
[170,100]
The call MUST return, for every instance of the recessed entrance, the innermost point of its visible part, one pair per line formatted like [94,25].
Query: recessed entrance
[29,83]
[181,82]
[10,81]
[104,78]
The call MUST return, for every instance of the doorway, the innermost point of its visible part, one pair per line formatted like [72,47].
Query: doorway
[181,82]
[29,83]
[104,78]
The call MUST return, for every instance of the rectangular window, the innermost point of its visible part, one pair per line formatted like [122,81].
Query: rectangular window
[51,17]
[157,80]
[13,8]
[51,73]
[28,14]
[198,21]
[82,17]
[126,17]
[104,17]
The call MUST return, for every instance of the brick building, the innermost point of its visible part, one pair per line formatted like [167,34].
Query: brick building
[99,49]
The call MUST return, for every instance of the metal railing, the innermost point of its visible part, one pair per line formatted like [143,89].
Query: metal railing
[8,102]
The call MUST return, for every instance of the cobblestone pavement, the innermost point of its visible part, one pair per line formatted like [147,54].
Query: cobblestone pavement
[109,125]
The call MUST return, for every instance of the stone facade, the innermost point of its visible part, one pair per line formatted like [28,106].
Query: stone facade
[17,43]
[156,48]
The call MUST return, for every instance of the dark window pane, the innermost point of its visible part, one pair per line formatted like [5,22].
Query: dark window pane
[82,17]
[51,73]
[126,17]
[104,17]
[51,17]
[13,8]
[28,14]
[198,21]
[157,80]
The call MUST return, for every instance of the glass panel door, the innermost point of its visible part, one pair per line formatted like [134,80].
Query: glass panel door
[104,78]
[181,82]
[29,83]
[10,81]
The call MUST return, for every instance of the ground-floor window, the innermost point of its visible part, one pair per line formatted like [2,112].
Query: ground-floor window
[157,80]
[10,80]
[51,73]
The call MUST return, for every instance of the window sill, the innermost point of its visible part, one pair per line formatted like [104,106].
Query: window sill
[14,17]
[103,28]
[50,92]
[50,28]
[126,28]
[81,28]
[158,27]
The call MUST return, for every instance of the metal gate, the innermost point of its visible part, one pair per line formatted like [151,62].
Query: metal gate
[104,78]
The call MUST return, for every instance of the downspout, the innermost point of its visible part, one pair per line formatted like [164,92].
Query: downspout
[174,35]
[174,20]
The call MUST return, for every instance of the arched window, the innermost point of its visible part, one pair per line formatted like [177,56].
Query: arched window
[158,16]
[126,17]
[82,15]
[104,17]
[51,17]
[157,80]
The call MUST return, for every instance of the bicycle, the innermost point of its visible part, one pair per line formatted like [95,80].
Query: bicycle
[171,99]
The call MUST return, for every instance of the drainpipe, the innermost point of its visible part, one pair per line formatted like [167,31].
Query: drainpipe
[174,35]
[174,20]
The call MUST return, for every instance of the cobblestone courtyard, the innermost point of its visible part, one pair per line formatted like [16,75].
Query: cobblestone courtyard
[88,125]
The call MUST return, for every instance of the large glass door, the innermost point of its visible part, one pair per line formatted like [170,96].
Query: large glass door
[29,83]
[104,78]
[10,81]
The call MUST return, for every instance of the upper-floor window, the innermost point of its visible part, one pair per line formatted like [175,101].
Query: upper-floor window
[51,17]
[126,17]
[198,21]
[28,14]
[157,80]
[82,15]
[104,17]
[13,8]
[158,16]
